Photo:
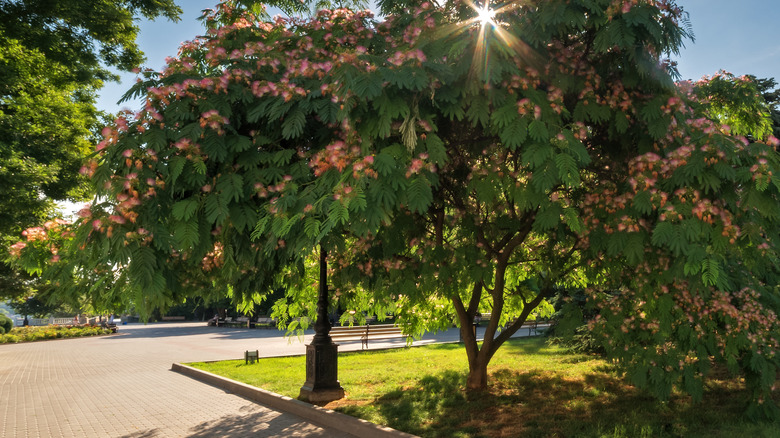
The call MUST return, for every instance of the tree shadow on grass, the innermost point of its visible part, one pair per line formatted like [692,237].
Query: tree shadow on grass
[546,404]
[425,408]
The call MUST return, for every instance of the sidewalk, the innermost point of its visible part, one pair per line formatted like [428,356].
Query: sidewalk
[121,385]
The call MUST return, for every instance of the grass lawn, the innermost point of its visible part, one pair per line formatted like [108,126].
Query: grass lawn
[535,390]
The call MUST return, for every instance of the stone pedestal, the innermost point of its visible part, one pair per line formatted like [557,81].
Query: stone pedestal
[322,385]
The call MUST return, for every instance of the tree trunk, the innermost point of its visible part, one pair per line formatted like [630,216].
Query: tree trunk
[477,378]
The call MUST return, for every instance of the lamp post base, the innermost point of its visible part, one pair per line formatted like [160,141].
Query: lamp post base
[322,385]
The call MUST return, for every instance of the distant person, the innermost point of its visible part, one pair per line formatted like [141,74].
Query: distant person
[26,322]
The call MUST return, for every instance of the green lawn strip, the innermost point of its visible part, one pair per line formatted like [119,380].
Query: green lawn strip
[536,390]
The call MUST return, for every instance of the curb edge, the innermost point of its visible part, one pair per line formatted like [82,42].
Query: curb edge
[320,416]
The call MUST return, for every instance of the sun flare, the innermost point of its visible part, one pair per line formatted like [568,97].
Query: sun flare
[490,26]
[486,15]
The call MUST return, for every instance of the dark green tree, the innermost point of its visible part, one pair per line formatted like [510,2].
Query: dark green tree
[54,56]
[771,94]
[86,38]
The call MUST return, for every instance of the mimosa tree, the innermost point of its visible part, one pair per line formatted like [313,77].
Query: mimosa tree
[454,159]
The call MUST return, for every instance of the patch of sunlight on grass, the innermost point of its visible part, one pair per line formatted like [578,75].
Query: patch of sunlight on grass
[535,390]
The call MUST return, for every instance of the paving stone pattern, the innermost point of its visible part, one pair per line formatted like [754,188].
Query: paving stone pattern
[121,386]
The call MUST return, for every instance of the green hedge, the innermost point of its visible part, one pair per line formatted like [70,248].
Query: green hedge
[29,334]
[6,324]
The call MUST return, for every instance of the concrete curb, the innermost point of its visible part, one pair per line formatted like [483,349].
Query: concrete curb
[321,416]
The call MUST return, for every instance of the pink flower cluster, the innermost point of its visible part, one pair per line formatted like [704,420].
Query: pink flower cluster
[213,120]
[339,155]
[47,235]
[400,57]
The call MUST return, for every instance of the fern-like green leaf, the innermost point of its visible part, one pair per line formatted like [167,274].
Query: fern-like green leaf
[184,209]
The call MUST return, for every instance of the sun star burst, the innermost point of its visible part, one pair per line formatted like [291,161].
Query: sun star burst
[491,31]
[486,15]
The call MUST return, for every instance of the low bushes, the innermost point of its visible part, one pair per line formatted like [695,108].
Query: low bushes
[29,334]
[5,324]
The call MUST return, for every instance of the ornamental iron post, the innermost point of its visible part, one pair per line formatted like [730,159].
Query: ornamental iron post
[322,384]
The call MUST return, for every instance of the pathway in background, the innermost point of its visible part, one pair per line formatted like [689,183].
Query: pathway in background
[121,385]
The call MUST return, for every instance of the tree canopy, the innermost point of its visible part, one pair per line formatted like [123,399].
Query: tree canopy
[742,103]
[54,55]
[452,163]
[771,94]
[85,38]
[45,130]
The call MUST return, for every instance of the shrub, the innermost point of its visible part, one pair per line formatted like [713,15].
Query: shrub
[582,341]
[8,339]
[2,330]
[29,334]
[6,323]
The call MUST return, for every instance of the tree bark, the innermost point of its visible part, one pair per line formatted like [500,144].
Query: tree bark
[477,378]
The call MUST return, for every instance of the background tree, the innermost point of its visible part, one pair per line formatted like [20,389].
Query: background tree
[48,120]
[451,166]
[45,127]
[54,55]
[739,102]
[86,38]
[771,94]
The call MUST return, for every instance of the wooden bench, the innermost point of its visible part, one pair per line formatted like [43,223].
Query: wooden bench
[173,318]
[266,321]
[244,321]
[533,325]
[233,322]
[364,333]
[241,321]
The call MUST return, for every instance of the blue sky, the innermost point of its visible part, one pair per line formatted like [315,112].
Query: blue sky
[737,36]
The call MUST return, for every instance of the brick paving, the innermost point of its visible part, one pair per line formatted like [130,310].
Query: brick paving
[122,386]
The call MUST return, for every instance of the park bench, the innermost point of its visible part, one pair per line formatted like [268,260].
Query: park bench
[264,320]
[241,321]
[173,318]
[534,326]
[109,325]
[244,321]
[364,333]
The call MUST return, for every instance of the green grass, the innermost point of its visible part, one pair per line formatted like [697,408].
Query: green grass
[536,390]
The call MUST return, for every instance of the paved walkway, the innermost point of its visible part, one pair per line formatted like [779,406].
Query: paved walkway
[121,385]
